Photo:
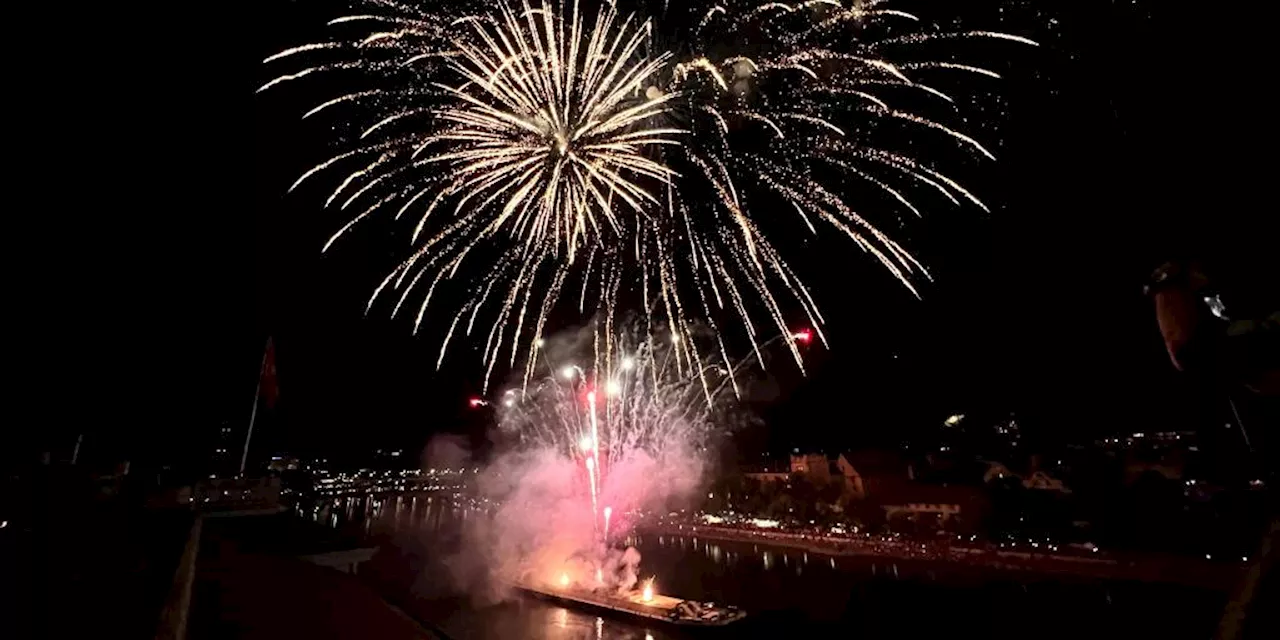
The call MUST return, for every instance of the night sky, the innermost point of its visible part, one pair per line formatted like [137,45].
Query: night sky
[1134,135]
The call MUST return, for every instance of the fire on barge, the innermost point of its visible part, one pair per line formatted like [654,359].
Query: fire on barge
[642,603]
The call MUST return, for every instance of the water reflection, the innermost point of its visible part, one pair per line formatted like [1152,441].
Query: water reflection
[745,574]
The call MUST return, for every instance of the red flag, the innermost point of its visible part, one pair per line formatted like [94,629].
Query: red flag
[270,385]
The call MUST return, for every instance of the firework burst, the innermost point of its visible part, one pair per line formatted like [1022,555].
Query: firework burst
[612,414]
[639,396]
[560,148]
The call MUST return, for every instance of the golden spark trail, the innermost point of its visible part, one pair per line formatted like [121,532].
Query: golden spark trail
[549,146]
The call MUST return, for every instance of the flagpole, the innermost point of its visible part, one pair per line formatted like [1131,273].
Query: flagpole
[244,456]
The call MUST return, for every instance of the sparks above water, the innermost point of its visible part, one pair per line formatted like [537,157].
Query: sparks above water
[650,432]
[559,146]
[598,461]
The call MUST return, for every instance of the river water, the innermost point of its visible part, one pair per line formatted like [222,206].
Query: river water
[785,592]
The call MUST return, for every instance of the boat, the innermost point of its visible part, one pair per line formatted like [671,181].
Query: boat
[643,604]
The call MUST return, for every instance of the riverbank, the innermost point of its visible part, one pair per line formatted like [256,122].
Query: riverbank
[1109,566]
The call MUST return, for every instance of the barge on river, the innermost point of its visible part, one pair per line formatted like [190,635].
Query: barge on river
[666,609]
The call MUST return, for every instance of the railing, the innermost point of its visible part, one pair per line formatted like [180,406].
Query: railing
[173,618]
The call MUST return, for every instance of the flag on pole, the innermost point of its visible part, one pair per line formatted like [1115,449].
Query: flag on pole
[267,386]
[270,383]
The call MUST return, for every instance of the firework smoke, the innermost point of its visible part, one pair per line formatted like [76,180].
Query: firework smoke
[591,443]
